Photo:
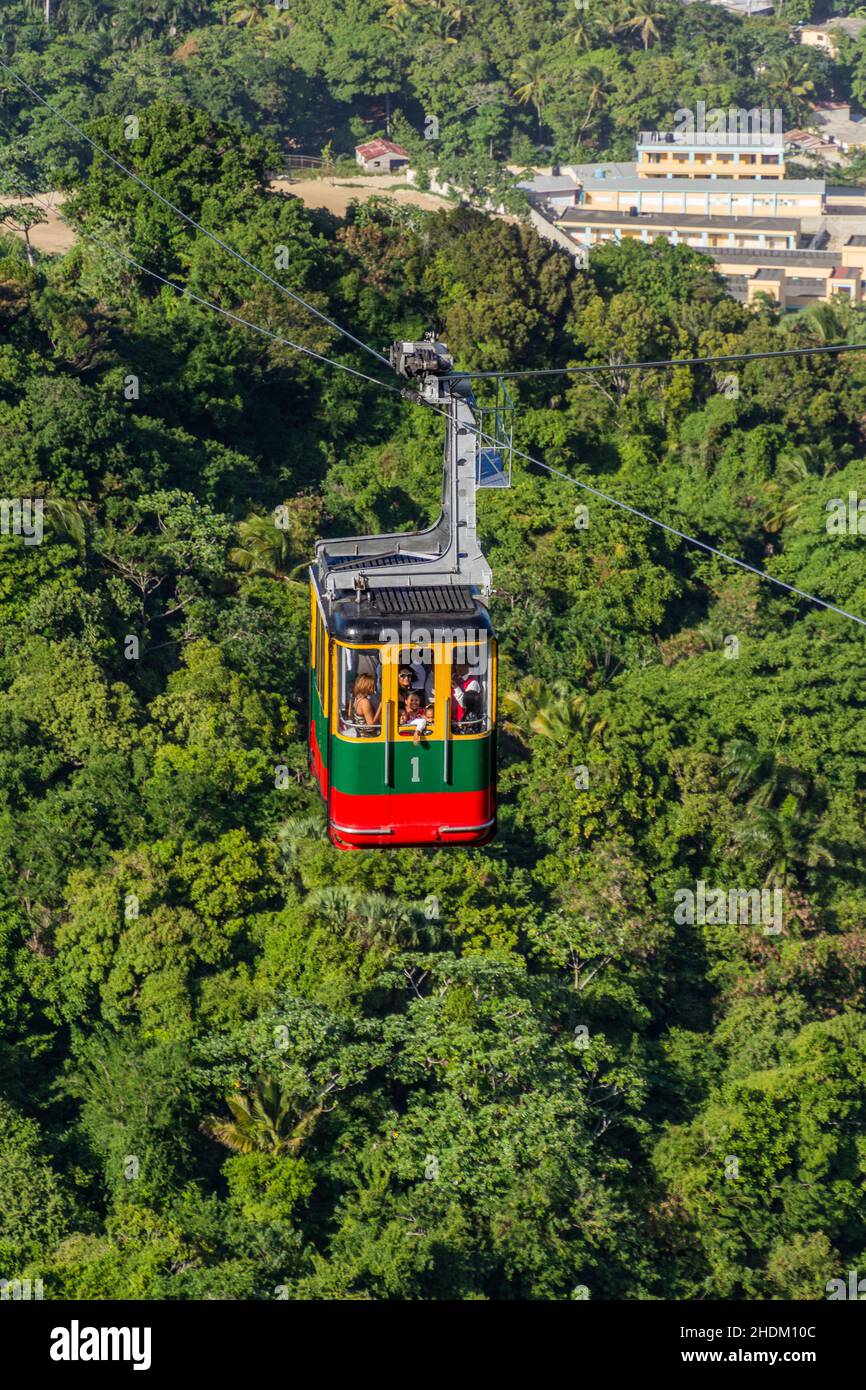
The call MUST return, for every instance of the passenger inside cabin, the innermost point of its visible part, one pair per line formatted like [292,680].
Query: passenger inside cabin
[414,716]
[405,683]
[361,713]
[416,676]
[472,721]
[466,699]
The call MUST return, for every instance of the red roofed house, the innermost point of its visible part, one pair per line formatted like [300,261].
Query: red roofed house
[381,156]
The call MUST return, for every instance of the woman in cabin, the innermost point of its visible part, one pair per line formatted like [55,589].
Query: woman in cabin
[361,714]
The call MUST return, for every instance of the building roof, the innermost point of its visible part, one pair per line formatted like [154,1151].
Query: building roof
[807,140]
[746,8]
[706,139]
[589,216]
[373,149]
[550,183]
[847,23]
[816,259]
[574,175]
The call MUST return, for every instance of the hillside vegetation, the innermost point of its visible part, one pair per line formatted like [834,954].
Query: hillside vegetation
[237,1064]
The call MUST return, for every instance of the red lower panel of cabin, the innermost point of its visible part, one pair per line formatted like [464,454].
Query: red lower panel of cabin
[317,767]
[432,818]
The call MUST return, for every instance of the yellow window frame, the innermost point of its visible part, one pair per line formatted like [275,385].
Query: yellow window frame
[391,659]
[389,684]
[446,662]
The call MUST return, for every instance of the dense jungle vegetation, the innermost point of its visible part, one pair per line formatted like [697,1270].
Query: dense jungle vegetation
[237,1064]
[489,81]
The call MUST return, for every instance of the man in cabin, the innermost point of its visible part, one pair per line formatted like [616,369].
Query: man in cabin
[465,695]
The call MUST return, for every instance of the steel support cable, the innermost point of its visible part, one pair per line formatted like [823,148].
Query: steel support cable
[209,304]
[587,368]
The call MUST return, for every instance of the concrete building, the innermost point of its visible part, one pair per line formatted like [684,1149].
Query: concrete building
[854,252]
[381,156]
[589,226]
[768,282]
[794,240]
[702,154]
[720,197]
[833,121]
[796,291]
[826,36]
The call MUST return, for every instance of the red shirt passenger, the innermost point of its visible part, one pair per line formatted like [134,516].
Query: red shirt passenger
[465,684]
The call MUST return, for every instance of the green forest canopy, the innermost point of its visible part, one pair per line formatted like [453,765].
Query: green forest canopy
[234,1061]
[528,82]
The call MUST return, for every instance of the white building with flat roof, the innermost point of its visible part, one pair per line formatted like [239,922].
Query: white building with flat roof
[700,154]
[723,197]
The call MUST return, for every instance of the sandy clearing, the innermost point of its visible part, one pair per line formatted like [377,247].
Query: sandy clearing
[336,196]
[51,236]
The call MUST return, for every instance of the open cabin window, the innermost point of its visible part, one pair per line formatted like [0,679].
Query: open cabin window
[416,690]
[359,680]
[470,675]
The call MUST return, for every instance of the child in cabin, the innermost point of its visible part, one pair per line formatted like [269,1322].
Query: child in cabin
[413,715]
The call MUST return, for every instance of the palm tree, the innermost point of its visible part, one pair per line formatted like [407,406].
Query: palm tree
[263,548]
[643,18]
[583,30]
[66,521]
[43,7]
[789,82]
[744,766]
[132,22]
[565,718]
[376,918]
[531,77]
[591,83]
[267,1120]
[457,14]
[294,834]
[783,840]
[398,14]
[824,323]
[254,14]
[759,774]
[83,16]
[800,461]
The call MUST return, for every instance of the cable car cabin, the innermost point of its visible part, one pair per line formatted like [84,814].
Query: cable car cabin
[424,775]
[402,649]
